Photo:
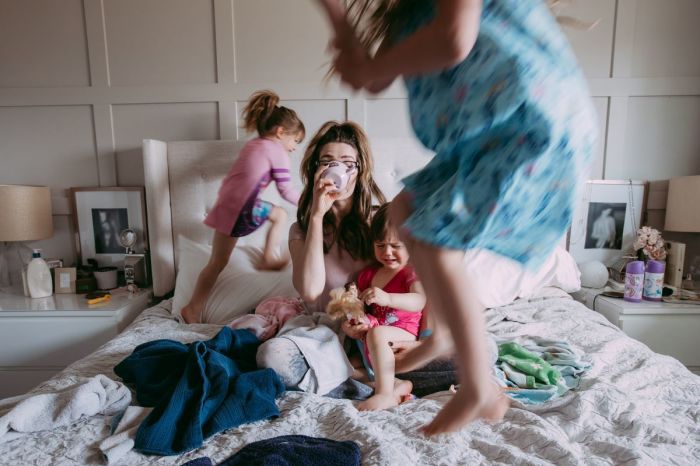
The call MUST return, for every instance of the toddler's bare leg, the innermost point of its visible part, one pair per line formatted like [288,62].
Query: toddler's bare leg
[220,255]
[387,391]
[272,260]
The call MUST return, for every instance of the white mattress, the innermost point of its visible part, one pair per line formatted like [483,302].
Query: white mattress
[633,406]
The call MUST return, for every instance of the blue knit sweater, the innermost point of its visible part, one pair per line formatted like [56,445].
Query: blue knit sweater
[198,389]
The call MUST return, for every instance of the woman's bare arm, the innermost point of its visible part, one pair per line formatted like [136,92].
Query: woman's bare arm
[308,267]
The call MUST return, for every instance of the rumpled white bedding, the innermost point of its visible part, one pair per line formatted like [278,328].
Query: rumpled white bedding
[633,406]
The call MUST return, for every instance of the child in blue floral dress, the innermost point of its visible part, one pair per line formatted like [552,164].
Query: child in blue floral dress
[496,92]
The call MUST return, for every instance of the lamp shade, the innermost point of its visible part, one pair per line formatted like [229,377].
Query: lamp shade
[682,211]
[25,213]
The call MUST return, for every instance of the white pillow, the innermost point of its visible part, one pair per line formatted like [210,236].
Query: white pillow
[239,288]
[500,280]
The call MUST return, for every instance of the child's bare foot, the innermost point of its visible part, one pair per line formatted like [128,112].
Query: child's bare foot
[467,406]
[402,389]
[378,402]
[191,314]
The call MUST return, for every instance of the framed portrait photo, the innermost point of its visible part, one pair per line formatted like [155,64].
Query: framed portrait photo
[101,215]
[605,221]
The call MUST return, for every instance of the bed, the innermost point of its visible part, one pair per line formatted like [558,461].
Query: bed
[633,406]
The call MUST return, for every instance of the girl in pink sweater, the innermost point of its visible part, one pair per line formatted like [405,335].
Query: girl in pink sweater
[239,211]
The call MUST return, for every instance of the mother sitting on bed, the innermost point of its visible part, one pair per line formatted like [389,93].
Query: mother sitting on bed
[329,244]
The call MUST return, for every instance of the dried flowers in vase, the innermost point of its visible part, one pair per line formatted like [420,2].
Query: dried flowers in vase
[649,244]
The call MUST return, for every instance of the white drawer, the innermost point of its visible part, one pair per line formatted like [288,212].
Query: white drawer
[51,341]
[672,335]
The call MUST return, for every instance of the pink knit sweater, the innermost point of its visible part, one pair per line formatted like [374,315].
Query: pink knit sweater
[260,162]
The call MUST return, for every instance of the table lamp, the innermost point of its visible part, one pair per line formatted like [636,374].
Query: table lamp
[25,215]
[682,211]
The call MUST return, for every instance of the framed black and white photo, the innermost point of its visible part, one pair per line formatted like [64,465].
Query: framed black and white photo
[605,221]
[101,215]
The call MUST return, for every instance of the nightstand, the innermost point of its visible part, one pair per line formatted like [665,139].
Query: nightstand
[671,329]
[40,337]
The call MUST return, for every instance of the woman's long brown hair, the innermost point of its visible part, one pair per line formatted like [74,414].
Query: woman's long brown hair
[352,233]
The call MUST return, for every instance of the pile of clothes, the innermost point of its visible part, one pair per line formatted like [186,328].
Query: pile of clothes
[538,370]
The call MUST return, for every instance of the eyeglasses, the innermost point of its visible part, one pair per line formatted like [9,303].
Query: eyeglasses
[350,164]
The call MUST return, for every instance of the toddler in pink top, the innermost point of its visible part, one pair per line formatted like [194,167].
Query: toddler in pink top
[396,300]
[239,211]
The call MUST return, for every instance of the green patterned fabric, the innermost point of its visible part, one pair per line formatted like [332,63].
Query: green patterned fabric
[536,371]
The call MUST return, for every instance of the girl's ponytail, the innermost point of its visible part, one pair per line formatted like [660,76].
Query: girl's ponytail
[258,111]
[262,114]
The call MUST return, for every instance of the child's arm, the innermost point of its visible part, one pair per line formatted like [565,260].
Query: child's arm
[283,182]
[444,42]
[381,84]
[413,301]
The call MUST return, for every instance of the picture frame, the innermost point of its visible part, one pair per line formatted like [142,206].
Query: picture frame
[100,215]
[64,280]
[606,218]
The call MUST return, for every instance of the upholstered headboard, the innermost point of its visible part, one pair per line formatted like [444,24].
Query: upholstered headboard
[182,180]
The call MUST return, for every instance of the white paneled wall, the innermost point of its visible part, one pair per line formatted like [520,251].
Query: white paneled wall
[82,82]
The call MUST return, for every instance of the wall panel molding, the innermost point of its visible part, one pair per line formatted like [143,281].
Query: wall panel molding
[623,40]
[104,144]
[11,97]
[96,43]
[225,45]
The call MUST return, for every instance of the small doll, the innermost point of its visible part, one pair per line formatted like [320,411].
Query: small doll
[345,304]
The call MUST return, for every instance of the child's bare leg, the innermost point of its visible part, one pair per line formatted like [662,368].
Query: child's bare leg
[220,254]
[478,397]
[439,344]
[457,312]
[271,259]
[387,391]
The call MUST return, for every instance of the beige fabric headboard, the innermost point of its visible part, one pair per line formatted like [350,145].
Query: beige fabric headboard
[183,178]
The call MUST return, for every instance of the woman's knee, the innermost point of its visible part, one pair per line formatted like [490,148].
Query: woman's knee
[283,356]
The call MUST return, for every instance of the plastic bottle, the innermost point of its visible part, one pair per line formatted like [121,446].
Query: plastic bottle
[634,281]
[38,276]
[653,280]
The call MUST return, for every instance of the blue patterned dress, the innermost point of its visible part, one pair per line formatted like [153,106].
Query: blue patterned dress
[513,128]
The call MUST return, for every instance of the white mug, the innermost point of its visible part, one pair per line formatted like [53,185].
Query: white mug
[339,174]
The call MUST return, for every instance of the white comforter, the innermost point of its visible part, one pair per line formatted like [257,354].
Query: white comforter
[633,406]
